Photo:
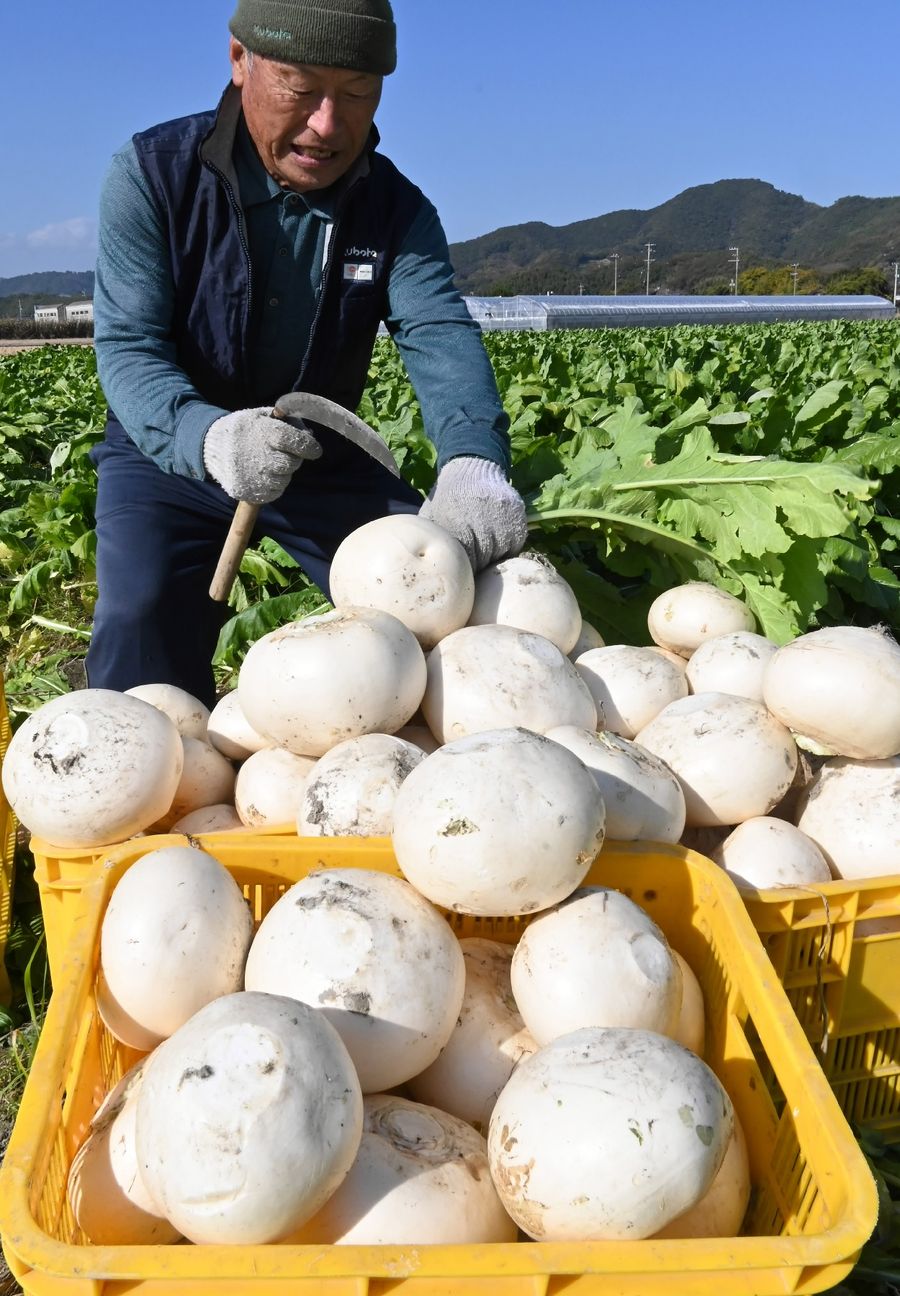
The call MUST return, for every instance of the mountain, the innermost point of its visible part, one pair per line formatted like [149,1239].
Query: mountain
[50,284]
[19,294]
[692,233]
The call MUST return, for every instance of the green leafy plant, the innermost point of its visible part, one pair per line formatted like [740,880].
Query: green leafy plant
[878,1270]
[765,458]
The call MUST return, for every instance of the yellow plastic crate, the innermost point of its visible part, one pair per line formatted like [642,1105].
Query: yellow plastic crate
[7,852]
[812,1208]
[842,978]
[61,874]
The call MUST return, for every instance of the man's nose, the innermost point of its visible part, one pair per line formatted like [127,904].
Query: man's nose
[324,118]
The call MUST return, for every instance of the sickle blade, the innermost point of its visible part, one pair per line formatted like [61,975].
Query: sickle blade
[319,409]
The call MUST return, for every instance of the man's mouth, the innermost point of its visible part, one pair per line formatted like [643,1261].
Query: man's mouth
[309,153]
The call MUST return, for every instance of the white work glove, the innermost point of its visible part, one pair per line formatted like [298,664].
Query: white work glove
[253,456]
[474,502]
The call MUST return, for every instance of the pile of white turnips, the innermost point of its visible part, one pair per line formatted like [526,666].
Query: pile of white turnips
[696,739]
[352,1072]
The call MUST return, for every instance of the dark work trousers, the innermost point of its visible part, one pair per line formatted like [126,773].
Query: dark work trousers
[159,538]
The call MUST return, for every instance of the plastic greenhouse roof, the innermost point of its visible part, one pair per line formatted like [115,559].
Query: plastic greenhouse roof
[559,311]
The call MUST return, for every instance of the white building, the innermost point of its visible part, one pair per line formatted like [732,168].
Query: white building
[76,312]
[49,314]
[80,312]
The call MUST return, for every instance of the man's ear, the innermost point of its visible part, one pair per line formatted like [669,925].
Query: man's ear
[238,56]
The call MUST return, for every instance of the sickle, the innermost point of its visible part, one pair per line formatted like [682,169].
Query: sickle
[316,409]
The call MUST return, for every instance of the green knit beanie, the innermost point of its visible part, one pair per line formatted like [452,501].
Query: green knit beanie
[357,34]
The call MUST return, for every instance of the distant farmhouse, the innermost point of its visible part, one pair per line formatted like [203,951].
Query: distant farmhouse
[77,312]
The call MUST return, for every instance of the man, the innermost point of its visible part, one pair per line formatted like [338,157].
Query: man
[249,251]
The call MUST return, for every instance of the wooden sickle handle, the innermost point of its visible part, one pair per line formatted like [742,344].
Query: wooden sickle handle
[236,542]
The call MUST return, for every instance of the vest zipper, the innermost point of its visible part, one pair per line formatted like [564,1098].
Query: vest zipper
[321,293]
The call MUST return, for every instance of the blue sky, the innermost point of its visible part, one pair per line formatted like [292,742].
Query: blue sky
[503,111]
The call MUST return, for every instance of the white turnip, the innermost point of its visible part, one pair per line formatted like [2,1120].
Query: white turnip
[420,1178]
[207,778]
[269,787]
[686,616]
[691,1028]
[851,810]
[488,1040]
[105,1189]
[175,935]
[352,789]
[720,1211]
[589,638]
[528,593]
[629,685]
[188,714]
[643,798]
[407,566]
[375,957]
[732,758]
[840,689]
[229,731]
[502,823]
[313,683]
[92,767]
[214,818]
[767,852]
[607,1134]
[495,677]
[595,959]
[248,1119]
[675,658]
[731,663]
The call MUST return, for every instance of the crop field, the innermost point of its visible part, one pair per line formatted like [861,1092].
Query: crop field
[766,458]
[763,458]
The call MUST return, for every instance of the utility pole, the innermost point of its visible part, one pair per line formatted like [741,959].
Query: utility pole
[649,247]
[736,259]
[896,266]
[615,260]
[795,270]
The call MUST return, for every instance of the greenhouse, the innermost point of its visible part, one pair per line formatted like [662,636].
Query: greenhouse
[560,312]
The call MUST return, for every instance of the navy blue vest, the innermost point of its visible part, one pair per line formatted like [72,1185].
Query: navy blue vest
[212,274]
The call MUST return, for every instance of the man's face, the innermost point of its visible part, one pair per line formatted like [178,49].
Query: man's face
[309,124]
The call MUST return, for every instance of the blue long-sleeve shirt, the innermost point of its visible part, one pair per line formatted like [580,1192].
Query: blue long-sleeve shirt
[160,408]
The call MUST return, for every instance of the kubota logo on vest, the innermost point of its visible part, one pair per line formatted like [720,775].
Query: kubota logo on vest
[362,268]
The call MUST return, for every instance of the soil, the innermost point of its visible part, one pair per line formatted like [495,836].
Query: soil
[9,346]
